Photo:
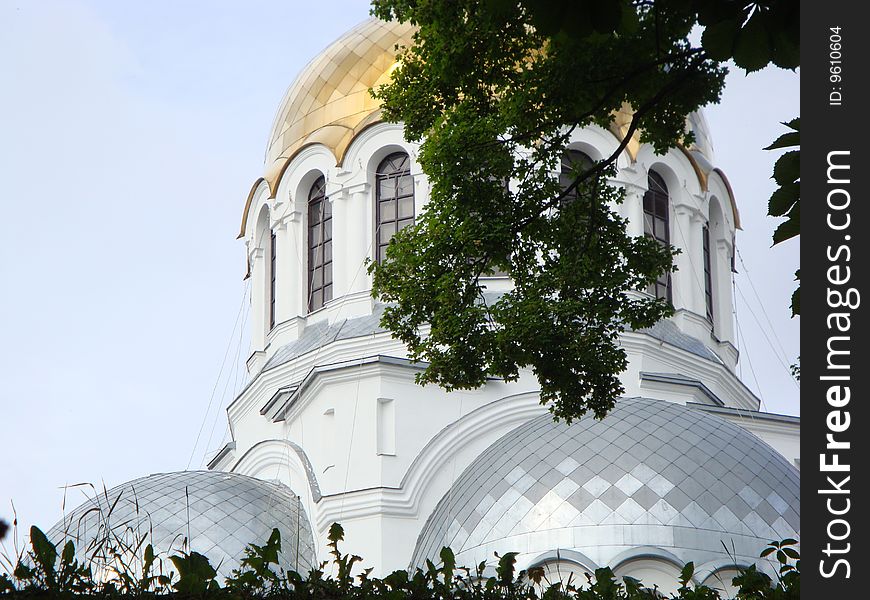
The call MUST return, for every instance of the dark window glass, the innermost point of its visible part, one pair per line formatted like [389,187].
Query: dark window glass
[319,246]
[395,200]
[656,224]
[708,274]
[573,162]
[272,279]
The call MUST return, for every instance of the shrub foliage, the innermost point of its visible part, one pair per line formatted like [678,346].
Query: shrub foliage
[43,571]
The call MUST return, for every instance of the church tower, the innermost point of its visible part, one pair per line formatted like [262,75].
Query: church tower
[332,415]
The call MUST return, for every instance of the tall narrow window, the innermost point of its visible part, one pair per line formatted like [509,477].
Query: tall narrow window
[272,279]
[656,224]
[395,199]
[573,162]
[319,246]
[708,274]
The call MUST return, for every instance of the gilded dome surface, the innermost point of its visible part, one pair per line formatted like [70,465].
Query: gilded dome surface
[330,102]
[652,474]
[219,513]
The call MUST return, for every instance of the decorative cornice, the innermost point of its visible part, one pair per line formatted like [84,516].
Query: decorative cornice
[314,486]
[674,379]
[728,411]
[224,453]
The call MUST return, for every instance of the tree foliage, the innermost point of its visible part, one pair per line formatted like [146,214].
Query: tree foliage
[493,89]
[786,200]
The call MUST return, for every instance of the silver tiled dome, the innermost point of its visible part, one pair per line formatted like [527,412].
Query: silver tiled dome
[221,513]
[652,474]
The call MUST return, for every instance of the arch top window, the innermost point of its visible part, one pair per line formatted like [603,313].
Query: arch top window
[573,161]
[395,199]
[319,246]
[656,224]
[273,274]
[708,272]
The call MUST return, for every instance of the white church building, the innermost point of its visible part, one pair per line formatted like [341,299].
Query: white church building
[332,427]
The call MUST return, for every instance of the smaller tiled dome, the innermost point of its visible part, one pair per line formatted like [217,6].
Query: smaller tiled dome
[220,513]
[651,475]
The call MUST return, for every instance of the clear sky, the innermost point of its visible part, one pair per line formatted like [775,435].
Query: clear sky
[130,133]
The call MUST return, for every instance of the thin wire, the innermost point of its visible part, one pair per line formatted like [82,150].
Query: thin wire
[761,304]
[764,333]
[736,323]
[752,371]
[220,374]
[234,376]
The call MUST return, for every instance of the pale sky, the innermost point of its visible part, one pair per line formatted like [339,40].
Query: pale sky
[130,134]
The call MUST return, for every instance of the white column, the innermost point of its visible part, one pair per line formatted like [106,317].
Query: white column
[684,280]
[287,263]
[340,229]
[632,205]
[632,209]
[358,237]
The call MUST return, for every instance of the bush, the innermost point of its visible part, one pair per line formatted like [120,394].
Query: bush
[45,571]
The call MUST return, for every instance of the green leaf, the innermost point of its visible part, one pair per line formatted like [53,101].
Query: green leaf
[195,573]
[686,573]
[44,552]
[786,231]
[796,303]
[786,55]
[787,167]
[448,562]
[336,533]
[505,568]
[792,138]
[718,39]
[783,199]
[606,15]
[69,552]
[752,48]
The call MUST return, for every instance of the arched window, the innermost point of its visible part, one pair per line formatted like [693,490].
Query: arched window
[573,162]
[708,273]
[319,246]
[564,572]
[656,224]
[395,199]
[272,278]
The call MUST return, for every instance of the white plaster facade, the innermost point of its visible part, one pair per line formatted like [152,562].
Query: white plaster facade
[341,421]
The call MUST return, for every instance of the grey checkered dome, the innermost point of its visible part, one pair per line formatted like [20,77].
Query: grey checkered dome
[219,513]
[652,474]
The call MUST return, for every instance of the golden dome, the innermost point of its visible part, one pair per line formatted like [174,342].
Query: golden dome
[329,102]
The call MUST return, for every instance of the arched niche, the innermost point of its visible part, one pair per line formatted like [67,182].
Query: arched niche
[721,581]
[721,246]
[677,170]
[261,285]
[565,566]
[653,567]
